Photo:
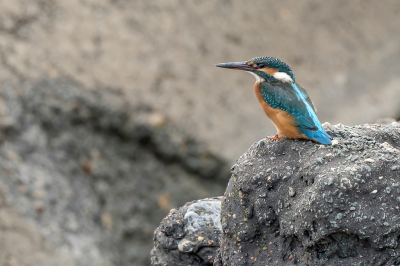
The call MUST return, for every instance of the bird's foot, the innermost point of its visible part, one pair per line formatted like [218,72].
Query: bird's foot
[274,138]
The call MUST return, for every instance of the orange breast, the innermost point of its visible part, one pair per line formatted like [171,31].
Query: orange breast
[282,120]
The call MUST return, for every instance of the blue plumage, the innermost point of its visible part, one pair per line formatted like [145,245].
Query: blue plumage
[290,97]
[320,135]
[273,62]
[276,82]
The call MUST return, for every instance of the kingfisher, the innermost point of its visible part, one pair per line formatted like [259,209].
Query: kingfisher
[286,104]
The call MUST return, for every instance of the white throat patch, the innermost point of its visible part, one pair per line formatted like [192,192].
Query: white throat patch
[258,78]
[282,76]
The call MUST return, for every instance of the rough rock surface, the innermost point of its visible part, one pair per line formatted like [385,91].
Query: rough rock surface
[90,177]
[189,235]
[301,203]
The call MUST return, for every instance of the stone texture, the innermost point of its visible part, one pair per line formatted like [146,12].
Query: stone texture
[155,60]
[301,203]
[345,210]
[93,175]
[189,235]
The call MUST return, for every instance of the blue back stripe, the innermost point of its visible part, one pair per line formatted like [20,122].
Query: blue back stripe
[302,96]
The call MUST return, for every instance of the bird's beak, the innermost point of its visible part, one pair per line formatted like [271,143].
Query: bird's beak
[236,65]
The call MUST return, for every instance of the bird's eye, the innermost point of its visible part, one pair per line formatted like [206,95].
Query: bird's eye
[261,66]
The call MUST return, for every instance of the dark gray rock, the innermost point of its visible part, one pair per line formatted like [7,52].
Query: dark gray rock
[298,202]
[95,175]
[189,235]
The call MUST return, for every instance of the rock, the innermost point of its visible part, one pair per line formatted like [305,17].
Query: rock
[187,246]
[189,235]
[301,203]
[342,212]
[93,175]
[335,142]
[292,192]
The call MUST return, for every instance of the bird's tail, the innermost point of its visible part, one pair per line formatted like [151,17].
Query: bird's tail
[320,135]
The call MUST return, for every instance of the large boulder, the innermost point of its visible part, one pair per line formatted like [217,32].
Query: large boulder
[301,203]
[298,202]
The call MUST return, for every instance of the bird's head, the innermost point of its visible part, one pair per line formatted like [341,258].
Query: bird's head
[264,68]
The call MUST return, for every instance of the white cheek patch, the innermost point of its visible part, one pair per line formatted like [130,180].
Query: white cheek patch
[258,78]
[282,76]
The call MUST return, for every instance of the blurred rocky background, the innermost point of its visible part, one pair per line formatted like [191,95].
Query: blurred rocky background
[112,112]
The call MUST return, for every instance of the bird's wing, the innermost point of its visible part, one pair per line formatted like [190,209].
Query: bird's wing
[292,98]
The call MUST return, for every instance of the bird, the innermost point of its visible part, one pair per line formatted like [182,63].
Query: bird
[285,103]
